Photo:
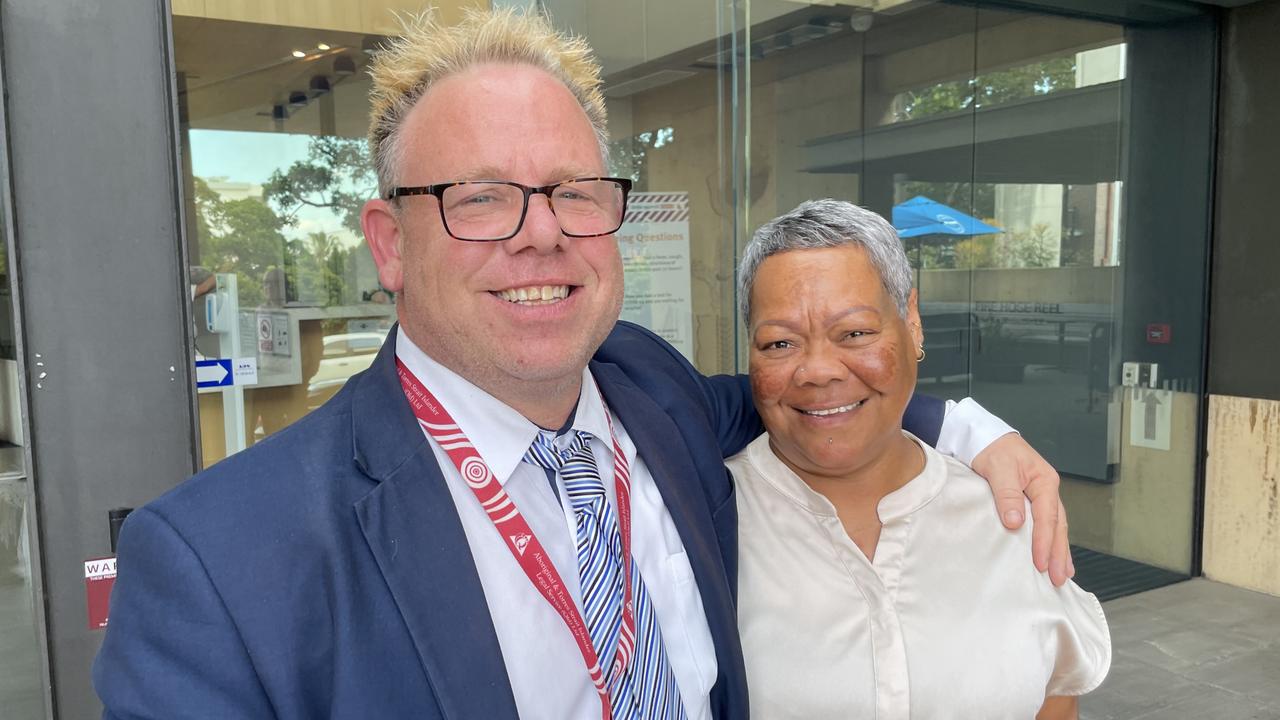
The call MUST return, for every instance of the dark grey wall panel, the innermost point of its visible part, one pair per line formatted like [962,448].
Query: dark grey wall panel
[101,280]
[1243,342]
[1170,96]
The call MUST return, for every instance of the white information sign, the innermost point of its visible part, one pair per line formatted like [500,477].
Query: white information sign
[654,242]
[245,371]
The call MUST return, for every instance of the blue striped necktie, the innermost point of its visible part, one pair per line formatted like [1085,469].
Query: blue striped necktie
[648,687]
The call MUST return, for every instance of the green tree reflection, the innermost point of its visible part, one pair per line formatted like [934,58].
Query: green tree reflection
[246,236]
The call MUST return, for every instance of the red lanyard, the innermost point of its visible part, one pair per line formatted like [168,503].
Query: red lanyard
[520,538]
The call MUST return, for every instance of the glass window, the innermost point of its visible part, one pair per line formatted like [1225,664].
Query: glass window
[671,95]
[1022,135]
[283,287]
[272,134]
[21,675]
[1069,301]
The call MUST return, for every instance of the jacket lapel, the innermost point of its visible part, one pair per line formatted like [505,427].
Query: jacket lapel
[417,539]
[659,443]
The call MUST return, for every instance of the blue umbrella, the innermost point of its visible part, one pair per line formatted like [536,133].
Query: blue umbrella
[922,216]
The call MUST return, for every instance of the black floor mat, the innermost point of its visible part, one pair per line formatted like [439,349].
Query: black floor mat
[1110,577]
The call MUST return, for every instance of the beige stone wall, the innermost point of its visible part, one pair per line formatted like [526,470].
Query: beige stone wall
[692,164]
[364,16]
[1090,513]
[1086,285]
[1154,500]
[1242,493]
[1147,514]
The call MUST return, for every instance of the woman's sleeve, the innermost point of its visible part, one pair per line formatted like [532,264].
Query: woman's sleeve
[1083,644]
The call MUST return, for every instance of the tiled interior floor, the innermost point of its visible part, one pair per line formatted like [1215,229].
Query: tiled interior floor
[1191,651]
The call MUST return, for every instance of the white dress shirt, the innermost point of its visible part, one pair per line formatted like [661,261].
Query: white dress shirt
[544,665]
[951,620]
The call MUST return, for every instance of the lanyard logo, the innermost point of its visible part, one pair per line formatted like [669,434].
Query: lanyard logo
[521,541]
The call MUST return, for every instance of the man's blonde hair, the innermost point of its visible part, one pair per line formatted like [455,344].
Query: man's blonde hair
[428,51]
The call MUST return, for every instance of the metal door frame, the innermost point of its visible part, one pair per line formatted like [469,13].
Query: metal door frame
[94,225]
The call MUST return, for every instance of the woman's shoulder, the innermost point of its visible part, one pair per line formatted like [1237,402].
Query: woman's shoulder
[963,517]
[965,491]
[963,524]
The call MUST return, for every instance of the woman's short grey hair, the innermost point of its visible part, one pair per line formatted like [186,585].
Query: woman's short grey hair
[828,223]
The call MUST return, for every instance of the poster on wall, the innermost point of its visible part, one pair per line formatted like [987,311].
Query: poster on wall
[654,242]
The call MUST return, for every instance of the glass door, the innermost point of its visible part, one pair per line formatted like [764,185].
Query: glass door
[22,674]
[1062,282]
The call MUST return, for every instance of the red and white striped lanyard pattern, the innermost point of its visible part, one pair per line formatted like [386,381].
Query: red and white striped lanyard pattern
[520,538]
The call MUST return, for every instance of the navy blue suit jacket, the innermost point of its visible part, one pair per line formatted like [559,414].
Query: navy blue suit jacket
[324,572]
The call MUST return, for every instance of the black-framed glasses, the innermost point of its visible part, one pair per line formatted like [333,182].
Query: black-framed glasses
[493,210]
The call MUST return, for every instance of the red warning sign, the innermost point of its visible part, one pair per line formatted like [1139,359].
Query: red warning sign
[99,576]
[1159,334]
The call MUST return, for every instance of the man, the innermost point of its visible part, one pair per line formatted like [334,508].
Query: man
[520,509]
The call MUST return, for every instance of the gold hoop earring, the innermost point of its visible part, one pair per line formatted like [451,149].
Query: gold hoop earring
[920,357]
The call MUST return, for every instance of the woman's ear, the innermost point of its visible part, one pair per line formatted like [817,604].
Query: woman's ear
[913,318]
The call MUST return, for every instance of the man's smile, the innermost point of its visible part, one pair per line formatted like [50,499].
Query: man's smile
[534,294]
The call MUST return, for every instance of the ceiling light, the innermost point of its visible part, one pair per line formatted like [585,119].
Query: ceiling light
[297,99]
[322,46]
[861,22]
[319,85]
[299,54]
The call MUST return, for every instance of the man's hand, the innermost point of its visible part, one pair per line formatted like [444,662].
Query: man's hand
[1014,469]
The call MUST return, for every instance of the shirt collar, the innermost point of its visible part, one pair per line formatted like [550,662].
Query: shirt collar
[912,496]
[920,490]
[499,433]
[590,413]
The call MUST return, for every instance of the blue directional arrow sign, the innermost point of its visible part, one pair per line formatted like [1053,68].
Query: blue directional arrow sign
[213,373]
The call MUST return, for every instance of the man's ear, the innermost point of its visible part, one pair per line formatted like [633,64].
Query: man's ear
[382,232]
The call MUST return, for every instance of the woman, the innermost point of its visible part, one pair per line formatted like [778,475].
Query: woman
[874,580]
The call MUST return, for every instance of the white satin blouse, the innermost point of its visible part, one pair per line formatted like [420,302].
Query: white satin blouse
[951,620]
